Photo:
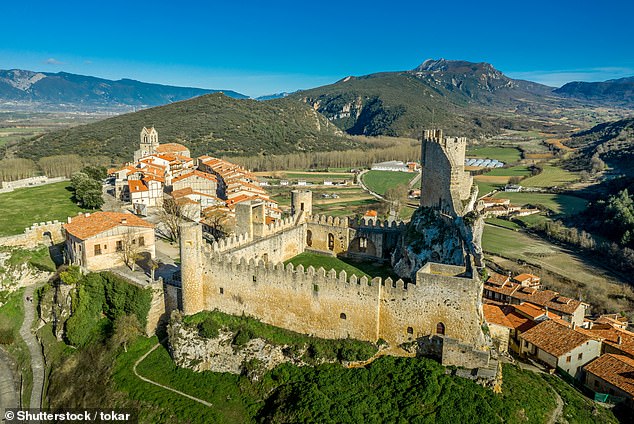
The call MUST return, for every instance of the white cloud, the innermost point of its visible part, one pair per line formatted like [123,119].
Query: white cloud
[53,61]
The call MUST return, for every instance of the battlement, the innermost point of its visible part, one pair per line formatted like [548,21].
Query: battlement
[329,220]
[379,224]
[232,242]
[436,136]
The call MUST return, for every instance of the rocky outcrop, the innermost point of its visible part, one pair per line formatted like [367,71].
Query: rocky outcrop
[56,306]
[14,276]
[434,237]
[190,350]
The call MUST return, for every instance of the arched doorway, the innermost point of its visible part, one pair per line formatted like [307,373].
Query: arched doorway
[331,241]
[309,238]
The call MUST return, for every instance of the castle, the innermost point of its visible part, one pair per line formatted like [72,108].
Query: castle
[440,311]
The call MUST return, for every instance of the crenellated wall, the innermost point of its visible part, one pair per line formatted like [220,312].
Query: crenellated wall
[36,234]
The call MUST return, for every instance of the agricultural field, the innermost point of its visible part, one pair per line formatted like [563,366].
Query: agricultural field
[274,177]
[360,269]
[551,176]
[380,181]
[503,154]
[558,203]
[22,207]
[498,177]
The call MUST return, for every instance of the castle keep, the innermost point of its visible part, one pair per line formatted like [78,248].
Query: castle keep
[440,310]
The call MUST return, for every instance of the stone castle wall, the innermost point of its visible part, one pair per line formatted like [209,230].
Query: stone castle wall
[444,183]
[35,235]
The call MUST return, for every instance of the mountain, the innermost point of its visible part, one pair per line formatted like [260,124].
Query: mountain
[71,91]
[459,96]
[612,142]
[210,124]
[273,96]
[618,91]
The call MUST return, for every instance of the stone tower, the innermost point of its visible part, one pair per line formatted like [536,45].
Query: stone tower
[301,200]
[191,268]
[445,185]
[149,143]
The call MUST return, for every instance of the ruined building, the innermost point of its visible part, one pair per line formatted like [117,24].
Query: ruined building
[436,309]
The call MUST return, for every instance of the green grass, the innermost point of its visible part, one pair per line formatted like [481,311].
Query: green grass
[532,220]
[360,269]
[39,258]
[503,154]
[21,208]
[551,176]
[485,187]
[380,181]
[502,223]
[558,203]
[513,171]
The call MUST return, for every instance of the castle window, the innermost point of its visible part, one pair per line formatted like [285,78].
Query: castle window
[363,244]
[222,290]
[255,279]
[315,287]
[568,358]
[342,316]
[309,238]
[440,328]
[580,356]
[301,206]
[97,249]
[410,330]
[141,241]
[331,241]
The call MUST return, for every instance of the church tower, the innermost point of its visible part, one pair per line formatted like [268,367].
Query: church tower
[149,143]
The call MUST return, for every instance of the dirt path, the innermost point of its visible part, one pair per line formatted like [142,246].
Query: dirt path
[558,411]
[35,350]
[147,380]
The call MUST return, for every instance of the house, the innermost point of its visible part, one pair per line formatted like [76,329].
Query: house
[560,346]
[615,339]
[147,192]
[613,375]
[499,326]
[198,181]
[528,280]
[512,188]
[97,241]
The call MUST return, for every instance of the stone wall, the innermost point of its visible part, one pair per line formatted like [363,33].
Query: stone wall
[9,186]
[35,235]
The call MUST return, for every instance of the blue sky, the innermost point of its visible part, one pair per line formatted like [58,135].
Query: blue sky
[264,47]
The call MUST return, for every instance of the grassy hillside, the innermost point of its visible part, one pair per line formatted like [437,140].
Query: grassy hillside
[212,124]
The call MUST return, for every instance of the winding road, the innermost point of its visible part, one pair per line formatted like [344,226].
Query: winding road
[35,349]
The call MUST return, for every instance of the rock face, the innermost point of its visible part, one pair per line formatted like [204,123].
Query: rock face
[56,306]
[14,276]
[190,350]
[433,237]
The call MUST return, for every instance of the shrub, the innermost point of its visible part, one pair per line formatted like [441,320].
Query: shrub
[208,328]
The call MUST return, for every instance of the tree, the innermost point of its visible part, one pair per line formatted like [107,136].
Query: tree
[87,190]
[397,196]
[126,329]
[170,217]
[129,249]
[97,173]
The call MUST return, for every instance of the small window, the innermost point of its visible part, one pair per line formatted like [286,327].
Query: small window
[141,241]
[331,241]
[222,290]
[580,356]
[309,238]
[119,245]
[97,249]
[255,279]
[525,343]
[440,328]
[342,316]
[315,287]
[133,241]
[568,358]
[410,330]
[105,247]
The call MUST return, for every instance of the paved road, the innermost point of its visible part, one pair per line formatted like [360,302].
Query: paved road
[8,396]
[35,350]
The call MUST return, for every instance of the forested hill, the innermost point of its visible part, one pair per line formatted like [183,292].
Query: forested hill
[462,97]
[212,124]
[62,91]
[617,91]
[611,142]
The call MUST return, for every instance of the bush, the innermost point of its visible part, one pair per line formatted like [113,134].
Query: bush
[242,337]
[208,328]
[6,336]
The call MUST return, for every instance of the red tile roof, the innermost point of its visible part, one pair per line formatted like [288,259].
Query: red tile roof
[195,173]
[136,186]
[84,226]
[618,370]
[554,338]
[494,315]
[171,148]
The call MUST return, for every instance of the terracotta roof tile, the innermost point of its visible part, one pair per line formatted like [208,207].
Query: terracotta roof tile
[171,148]
[554,338]
[88,225]
[494,315]
[618,370]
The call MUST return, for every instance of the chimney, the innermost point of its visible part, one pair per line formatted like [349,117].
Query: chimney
[619,340]
[86,214]
[69,219]
[124,220]
[574,325]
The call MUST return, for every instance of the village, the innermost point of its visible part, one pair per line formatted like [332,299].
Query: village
[525,321]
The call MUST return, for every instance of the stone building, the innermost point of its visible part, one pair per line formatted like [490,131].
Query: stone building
[445,185]
[613,375]
[96,241]
[149,143]
[436,309]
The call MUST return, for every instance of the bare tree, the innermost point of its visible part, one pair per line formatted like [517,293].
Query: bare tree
[170,217]
[129,249]
[126,329]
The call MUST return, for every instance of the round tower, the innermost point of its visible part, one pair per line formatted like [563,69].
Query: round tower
[301,200]
[191,239]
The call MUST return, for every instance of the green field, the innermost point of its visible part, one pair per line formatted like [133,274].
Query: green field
[558,203]
[503,154]
[551,176]
[22,207]
[485,187]
[380,181]
[513,171]
[502,223]
[360,269]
